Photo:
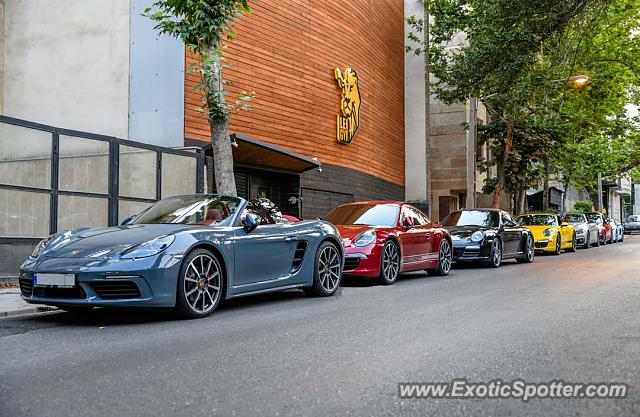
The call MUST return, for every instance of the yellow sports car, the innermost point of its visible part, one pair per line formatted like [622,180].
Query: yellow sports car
[550,233]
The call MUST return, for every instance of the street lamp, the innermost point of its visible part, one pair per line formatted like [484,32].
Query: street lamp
[578,81]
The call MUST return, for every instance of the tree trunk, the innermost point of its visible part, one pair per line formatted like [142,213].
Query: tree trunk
[545,187]
[565,184]
[522,201]
[218,122]
[501,165]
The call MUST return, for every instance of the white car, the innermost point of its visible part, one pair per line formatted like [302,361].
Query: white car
[587,233]
[617,231]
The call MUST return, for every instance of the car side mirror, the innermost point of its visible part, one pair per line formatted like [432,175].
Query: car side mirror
[510,224]
[127,220]
[250,222]
[407,222]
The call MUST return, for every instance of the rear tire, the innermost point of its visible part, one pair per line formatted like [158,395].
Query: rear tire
[327,272]
[529,252]
[445,258]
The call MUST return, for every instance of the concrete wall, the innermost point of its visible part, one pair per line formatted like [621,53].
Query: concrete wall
[67,63]
[156,91]
[414,115]
[1,53]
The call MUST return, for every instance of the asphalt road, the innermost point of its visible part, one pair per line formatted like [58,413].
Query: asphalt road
[575,317]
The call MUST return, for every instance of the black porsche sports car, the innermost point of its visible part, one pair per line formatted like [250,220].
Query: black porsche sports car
[488,236]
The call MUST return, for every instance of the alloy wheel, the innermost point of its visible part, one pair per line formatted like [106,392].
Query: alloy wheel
[202,283]
[496,253]
[445,256]
[531,250]
[329,268]
[390,262]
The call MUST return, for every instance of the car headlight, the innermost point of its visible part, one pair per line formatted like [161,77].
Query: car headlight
[548,232]
[477,236]
[581,231]
[365,239]
[41,246]
[148,248]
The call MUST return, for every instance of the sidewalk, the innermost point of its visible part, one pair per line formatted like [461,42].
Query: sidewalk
[11,304]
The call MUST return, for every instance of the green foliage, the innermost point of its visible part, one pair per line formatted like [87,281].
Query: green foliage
[202,25]
[583,206]
[518,57]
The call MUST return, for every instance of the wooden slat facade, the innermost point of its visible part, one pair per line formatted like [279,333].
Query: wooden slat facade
[285,52]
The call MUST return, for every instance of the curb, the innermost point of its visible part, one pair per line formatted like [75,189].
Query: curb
[27,310]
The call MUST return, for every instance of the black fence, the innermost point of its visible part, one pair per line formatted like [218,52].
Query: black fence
[45,165]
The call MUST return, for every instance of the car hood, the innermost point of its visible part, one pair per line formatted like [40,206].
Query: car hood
[465,232]
[102,243]
[349,231]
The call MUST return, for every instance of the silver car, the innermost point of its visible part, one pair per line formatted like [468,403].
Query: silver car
[617,231]
[632,224]
[586,232]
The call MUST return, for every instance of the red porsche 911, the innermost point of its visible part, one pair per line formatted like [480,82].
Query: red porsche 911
[383,238]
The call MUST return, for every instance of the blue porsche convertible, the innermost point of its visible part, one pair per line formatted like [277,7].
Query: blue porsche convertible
[187,252]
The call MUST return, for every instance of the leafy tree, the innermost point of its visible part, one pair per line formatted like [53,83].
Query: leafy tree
[583,206]
[202,25]
[499,62]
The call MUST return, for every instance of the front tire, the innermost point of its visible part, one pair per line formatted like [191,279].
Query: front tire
[495,256]
[327,272]
[389,263]
[529,252]
[587,241]
[558,245]
[573,244]
[200,284]
[445,258]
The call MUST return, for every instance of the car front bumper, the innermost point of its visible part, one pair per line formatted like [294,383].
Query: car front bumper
[146,282]
[467,251]
[363,261]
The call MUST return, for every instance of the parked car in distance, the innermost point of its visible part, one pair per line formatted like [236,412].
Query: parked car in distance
[384,238]
[586,233]
[632,224]
[186,252]
[617,230]
[605,229]
[551,234]
[489,236]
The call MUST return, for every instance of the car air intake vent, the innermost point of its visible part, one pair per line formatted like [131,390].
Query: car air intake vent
[298,256]
[26,285]
[116,289]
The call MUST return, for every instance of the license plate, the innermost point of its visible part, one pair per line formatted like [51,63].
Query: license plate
[54,280]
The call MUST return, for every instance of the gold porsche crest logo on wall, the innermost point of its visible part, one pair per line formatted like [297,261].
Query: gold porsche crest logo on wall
[349,117]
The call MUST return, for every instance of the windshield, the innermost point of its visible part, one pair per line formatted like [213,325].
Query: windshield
[594,217]
[634,219]
[366,214]
[472,218]
[191,209]
[538,220]
[575,218]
